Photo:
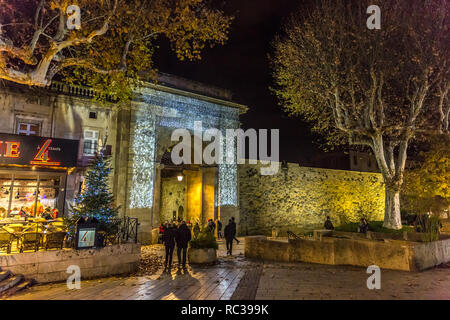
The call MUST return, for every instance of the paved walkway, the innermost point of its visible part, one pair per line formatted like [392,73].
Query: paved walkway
[312,281]
[236,278]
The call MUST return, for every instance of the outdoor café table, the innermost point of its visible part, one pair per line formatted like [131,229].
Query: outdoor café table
[17,227]
[7,222]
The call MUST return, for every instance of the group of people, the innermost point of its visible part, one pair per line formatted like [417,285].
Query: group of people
[362,228]
[229,232]
[46,213]
[179,234]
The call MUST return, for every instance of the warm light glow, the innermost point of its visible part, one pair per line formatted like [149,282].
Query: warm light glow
[180,177]
[174,111]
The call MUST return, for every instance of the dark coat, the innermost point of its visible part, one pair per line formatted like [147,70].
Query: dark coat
[183,236]
[230,232]
[328,225]
[219,225]
[169,236]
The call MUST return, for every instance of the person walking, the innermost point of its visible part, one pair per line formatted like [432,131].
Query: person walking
[230,234]
[169,236]
[213,226]
[235,228]
[219,229]
[183,237]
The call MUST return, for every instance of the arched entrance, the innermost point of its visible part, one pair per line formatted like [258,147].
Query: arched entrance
[187,192]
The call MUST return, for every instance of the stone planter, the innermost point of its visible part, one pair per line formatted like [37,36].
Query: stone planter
[202,256]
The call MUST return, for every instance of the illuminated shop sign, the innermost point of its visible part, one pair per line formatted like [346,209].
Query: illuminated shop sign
[37,151]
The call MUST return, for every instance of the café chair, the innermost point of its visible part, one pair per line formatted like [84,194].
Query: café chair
[6,240]
[32,227]
[55,240]
[30,241]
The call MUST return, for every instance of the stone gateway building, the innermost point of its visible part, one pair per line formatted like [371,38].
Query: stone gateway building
[48,137]
[137,136]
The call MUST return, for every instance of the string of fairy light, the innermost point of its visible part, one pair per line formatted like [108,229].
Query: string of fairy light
[174,111]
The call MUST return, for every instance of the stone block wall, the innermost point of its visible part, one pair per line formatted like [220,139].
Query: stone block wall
[172,198]
[51,266]
[391,254]
[299,198]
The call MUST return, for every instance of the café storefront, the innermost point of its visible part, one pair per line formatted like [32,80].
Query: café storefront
[33,174]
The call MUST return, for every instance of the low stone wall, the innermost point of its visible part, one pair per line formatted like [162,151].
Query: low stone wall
[389,254]
[51,266]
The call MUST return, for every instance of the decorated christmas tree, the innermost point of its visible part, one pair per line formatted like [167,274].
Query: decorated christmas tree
[95,201]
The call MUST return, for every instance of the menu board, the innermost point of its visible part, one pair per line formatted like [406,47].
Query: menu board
[86,238]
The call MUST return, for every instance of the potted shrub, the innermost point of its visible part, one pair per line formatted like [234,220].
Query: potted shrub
[203,248]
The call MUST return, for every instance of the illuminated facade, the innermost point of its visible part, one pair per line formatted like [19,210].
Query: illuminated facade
[138,138]
[208,192]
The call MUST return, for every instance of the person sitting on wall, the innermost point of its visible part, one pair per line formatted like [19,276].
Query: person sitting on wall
[363,226]
[328,224]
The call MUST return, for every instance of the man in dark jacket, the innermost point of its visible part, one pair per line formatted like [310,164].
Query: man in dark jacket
[183,238]
[219,229]
[230,233]
[169,236]
[235,228]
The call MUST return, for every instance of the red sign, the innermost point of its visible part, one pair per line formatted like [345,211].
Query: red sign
[42,157]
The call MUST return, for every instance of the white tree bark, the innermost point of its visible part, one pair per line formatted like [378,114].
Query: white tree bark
[40,72]
[392,217]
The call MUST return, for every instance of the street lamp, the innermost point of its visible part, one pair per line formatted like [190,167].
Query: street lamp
[180,177]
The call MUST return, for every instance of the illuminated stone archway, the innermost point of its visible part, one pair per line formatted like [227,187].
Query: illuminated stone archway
[193,198]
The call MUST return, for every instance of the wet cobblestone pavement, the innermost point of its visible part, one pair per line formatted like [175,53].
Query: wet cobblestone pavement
[238,278]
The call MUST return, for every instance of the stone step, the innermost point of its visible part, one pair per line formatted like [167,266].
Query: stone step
[5,274]
[10,282]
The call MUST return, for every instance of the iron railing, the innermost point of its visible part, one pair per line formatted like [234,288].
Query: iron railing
[126,230]
[292,235]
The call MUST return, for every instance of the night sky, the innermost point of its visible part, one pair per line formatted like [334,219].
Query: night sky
[243,67]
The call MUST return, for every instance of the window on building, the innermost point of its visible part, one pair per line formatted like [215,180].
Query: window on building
[355,160]
[92,115]
[90,142]
[28,129]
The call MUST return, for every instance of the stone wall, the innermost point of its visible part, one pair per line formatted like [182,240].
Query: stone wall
[172,198]
[51,266]
[391,254]
[300,198]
